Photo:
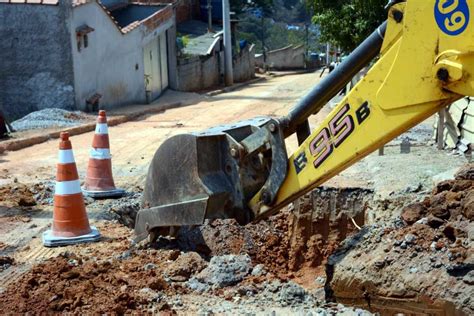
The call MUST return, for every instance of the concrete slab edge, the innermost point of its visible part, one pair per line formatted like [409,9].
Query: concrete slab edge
[21,143]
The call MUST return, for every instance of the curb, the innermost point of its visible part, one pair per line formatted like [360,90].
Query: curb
[234,87]
[294,73]
[17,144]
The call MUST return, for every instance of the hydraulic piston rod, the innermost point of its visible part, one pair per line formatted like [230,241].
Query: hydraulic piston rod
[330,86]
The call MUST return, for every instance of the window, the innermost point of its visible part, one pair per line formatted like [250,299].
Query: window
[82,35]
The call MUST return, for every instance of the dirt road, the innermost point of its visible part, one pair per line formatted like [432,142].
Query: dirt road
[133,144]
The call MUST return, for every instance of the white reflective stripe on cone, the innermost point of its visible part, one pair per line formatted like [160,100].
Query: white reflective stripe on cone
[68,187]
[100,153]
[101,129]
[66,156]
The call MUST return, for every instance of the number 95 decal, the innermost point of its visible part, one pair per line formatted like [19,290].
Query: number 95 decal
[340,127]
[452,16]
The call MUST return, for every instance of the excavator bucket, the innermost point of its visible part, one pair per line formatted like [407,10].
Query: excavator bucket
[212,174]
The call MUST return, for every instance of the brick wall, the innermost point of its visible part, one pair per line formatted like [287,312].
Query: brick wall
[157,19]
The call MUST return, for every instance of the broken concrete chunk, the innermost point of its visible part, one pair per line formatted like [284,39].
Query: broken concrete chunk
[225,271]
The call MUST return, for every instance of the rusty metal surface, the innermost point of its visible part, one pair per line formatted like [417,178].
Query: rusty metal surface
[186,213]
[213,174]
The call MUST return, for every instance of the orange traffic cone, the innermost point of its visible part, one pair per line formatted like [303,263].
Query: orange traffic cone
[70,222]
[99,180]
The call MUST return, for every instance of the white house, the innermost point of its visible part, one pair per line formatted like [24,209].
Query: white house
[82,54]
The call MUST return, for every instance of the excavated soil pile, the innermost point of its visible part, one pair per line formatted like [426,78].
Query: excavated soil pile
[290,242]
[423,261]
[101,278]
[221,259]
[266,242]
[16,195]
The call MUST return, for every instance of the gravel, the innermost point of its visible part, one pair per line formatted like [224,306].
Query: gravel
[222,271]
[51,118]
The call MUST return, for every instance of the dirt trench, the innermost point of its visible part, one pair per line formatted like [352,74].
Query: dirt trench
[321,220]
[301,236]
[421,263]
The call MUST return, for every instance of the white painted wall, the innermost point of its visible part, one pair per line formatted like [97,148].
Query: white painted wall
[108,65]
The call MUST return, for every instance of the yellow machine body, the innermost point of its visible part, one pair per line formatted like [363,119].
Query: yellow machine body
[426,63]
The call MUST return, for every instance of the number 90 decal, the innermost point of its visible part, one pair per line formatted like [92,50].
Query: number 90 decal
[452,16]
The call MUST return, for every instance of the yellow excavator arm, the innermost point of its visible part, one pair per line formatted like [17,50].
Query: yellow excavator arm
[426,63]
[242,171]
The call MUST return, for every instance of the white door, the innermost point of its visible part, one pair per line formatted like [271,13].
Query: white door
[152,64]
[164,61]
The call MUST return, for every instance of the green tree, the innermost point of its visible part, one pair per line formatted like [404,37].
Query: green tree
[283,23]
[346,23]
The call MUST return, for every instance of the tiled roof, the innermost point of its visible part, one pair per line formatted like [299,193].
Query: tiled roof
[45,2]
[151,21]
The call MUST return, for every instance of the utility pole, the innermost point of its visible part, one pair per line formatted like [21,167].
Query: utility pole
[307,42]
[229,72]
[209,16]
[262,38]
[328,50]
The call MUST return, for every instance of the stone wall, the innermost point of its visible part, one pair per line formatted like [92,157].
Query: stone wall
[197,73]
[287,58]
[36,67]
[244,64]
[200,73]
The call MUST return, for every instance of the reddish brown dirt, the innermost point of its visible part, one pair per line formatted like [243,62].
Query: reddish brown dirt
[450,207]
[320,221]
[292,244]
[426,262]
[93,279]
[16,195]
[99,278]
[266,241]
